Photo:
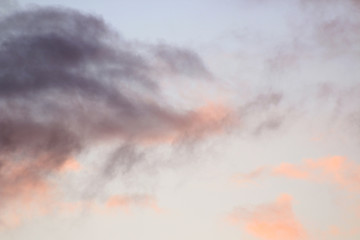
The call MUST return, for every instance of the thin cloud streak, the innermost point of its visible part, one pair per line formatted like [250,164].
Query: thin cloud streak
[336,170]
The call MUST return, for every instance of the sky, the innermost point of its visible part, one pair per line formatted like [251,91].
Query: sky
[203,119]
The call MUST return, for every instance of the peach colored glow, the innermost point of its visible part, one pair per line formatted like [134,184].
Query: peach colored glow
[118,201]
[70,165]
[272,221]
[33,200]
[335,169]
[211,118]
[289,170]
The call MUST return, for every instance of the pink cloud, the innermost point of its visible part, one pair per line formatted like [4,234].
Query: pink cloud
[289,170]
[70,165]
[337,170]
[334,169]
[271,221]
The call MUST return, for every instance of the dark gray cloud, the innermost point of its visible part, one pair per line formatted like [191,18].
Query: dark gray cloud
[122,159]
[68,81]
[181,61]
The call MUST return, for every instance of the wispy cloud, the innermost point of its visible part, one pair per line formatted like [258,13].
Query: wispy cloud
[39,201]
[336,170]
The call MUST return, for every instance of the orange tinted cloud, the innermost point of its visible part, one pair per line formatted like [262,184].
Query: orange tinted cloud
[22,199]
[206,120]
[119,202]
[18,180]
[24,181]
[25,190]
[289,170]
[335,169]
[70,165]
[271,221]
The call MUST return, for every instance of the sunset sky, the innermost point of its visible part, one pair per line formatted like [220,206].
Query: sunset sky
[173,120]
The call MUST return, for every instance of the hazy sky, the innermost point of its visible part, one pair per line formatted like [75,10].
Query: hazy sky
[193,120]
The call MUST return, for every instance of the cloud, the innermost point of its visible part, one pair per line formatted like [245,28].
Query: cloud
[44,201]
[22,179]
[271,221]
[23,192]
[69,82]
[317,31]
[176,60]
[264,112]
[336,170]
[290,171]
[70,165]
[72,83]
